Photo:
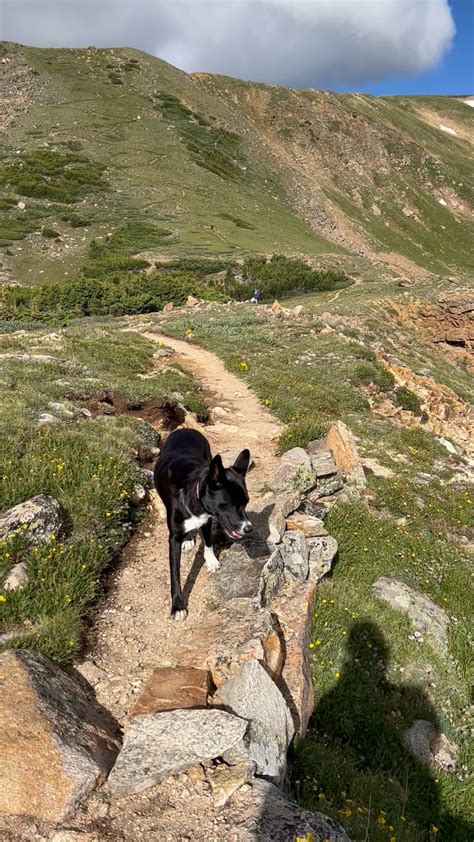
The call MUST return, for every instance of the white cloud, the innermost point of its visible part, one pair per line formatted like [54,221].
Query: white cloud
[294,42]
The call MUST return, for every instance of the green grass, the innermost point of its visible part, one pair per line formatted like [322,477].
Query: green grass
[87,465]
[47,174]
[408,400]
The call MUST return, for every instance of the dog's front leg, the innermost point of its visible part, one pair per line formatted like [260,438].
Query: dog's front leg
[212,563]
[178,610]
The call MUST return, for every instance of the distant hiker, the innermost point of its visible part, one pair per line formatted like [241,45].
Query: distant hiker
[256,295]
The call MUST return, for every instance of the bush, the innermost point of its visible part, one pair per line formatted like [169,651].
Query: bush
[50,233]
[282,277]
[407,400]
[62,177]
[373,374]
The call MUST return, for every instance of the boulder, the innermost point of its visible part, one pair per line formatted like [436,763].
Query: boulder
[322,460]
[139,495]
[191,301]
[168,307]
[170,688]
[17,577]
[158,745]
[309,525]
[294,606]
[282,505]
[41,515]
[254,696]
[322,552]
[426,617]
[430,747]
[342,443]
[57,744]
[294,551]
[299,310]
[274,816]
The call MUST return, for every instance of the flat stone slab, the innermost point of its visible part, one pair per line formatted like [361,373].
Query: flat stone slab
[426,617]
[161,744]
[170,688]
[322,460]
[240,570]
[430,747]
[57,743]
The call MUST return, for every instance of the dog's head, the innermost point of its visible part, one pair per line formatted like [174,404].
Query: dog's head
[225,495]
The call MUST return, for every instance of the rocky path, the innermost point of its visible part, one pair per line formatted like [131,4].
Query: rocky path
[133,631]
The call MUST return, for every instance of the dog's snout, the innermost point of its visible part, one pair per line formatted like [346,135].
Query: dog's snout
[248,528]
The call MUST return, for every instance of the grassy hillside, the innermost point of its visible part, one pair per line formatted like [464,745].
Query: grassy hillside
[96,138]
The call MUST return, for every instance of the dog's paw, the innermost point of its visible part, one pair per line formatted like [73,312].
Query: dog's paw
[188,546]
[179,615]
[212,563]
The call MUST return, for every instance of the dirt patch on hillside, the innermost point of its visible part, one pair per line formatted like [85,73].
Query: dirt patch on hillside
[161,412]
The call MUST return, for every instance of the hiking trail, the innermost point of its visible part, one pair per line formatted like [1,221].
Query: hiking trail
[133,631]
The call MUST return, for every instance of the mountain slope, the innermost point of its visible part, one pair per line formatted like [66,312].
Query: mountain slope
[223,166]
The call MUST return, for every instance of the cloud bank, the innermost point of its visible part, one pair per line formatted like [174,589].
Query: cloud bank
[301,43]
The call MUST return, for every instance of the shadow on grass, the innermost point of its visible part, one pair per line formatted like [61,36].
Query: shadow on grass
[355,747]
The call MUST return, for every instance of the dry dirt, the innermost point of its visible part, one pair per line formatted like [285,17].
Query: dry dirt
[134,632]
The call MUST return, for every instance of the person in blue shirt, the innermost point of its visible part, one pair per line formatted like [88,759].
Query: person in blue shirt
[256,295]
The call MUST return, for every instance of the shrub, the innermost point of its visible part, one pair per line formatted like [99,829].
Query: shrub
[374,374]
[62,177]
[407,400]
[50,233]
[282,277]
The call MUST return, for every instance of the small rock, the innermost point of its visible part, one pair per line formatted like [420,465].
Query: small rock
[192,301]
[169,688]
[271,577]
[371,466]
[322,552]
[168,307]
[447,444]
[84,412]
[299,310]
[240,570]
[225,780]
[282,506]
[294,551]
[139,495]
[17,577]
[430,747]
[309,525]
[253,695]
[21,205]
[47,418]
[424,614]
[297,456]
[293,476]
[74,836]
[322,461]
[341,441]
[219,411]
[41,515]
[161,744]
[57,744]
[327,486]
[60,409]
[161,353]
[91,672]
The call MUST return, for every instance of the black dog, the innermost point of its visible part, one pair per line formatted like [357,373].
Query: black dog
[196,489]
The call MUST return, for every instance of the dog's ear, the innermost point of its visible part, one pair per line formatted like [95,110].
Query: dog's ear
[216,470]
[241,464]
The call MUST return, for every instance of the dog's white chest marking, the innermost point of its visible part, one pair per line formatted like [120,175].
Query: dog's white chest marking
[194,522]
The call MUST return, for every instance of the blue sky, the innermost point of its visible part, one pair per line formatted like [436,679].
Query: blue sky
[455,72]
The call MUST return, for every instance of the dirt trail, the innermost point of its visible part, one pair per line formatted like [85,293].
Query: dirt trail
[133,630]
